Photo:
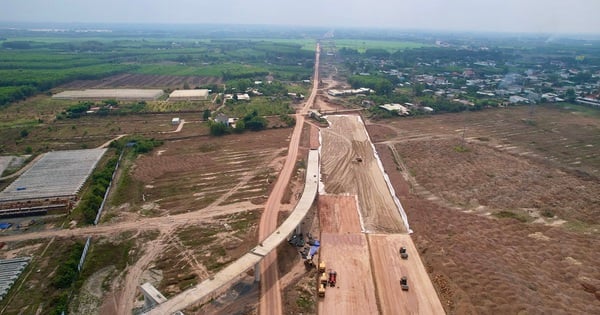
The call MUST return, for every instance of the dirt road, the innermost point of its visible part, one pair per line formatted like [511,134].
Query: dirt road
[345,142]
[350,167]
[354,293]
[421,298]
[345,250]
[159,223]
[270,298]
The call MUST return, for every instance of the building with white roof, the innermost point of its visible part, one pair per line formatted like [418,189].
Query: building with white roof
[189,95]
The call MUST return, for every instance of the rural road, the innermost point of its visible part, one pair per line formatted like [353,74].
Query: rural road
[270,297]
[158,223]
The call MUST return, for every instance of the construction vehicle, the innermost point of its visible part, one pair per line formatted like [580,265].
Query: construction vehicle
[296,240]
[404,284]
[322,267]
[322,290]
[308,263]
[323,278]
[332,278]
[403,253]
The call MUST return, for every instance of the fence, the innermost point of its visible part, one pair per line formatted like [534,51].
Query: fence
[108,190]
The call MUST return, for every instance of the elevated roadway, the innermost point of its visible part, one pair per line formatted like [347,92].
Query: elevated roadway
[221,281]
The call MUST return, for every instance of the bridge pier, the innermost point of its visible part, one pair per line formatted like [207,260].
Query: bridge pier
[151,296]
[257,272]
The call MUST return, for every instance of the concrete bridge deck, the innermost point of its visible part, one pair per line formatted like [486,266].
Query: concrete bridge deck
[221,281]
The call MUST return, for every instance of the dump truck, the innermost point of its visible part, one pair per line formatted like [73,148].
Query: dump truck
[404,283]
[322,266]
[403,253]
[332,278]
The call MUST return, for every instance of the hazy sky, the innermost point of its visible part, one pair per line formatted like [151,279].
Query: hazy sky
[547,16]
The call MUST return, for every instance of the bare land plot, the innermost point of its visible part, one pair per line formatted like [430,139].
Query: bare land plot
[190,174]
[421,298]
[480,263]
[489,180]
[354,293]
[59,173]
[117,94]
[344,142]
[338,214]
[130,80]
[559,135]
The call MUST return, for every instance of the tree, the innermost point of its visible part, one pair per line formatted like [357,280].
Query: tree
[111,102]
[218,129]
[240,126]
[256,123]
[418,89]
[570,95]
[206,114]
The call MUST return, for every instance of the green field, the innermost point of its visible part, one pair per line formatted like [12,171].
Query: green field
[363,45]
[199,70]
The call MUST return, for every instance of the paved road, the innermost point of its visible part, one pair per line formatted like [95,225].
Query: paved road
[270,298]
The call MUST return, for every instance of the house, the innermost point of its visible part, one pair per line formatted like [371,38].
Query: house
[232,122]
[243,97]
[175,121]
[401,110]
[515,99]
[362,90]
[222,118]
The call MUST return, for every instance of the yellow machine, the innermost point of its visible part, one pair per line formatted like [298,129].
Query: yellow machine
[323,278]
[322,290]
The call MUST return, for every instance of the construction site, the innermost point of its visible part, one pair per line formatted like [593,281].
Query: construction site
[339,215]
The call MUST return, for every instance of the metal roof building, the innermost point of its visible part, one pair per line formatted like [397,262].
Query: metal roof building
[58,173]
[189,95]
[10,270]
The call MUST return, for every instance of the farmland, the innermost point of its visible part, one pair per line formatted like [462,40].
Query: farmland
[363,45]
[32,65]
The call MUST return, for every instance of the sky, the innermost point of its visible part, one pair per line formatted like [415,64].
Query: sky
[529,16]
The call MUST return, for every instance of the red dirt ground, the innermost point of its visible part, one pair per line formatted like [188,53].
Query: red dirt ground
[421,297]
[481,264]
[338,214]
[343,142]
[348,255]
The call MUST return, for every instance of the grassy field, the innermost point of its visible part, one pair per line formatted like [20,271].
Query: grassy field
[265,106]
[199,70]
[363,45]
